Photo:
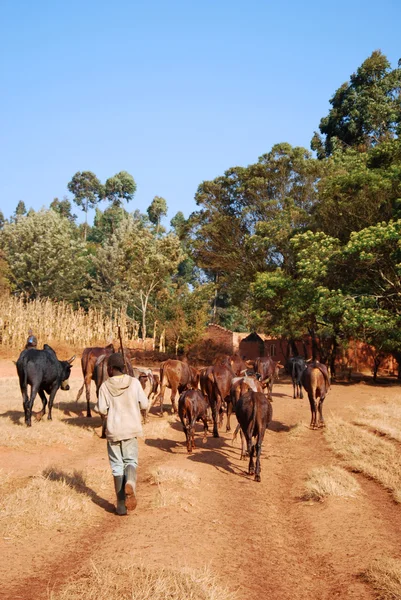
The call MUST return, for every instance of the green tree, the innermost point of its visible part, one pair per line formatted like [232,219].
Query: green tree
[156,211]
[119,188]
[87,191]
[134,265]
[63,208]
[365,110]
[2,220]
[20,211]
[45,258]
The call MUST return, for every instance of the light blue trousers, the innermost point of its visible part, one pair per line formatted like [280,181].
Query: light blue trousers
[121,454]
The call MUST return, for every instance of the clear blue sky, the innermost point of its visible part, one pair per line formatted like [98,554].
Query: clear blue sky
[175,92]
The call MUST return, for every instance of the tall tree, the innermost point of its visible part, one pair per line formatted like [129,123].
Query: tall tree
[156,211]
[365,111]
[20,211]
[45,257]
[119,188]
[87,191]
[63,208]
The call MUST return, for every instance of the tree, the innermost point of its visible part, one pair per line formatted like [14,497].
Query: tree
[156,211]
[20,211]
[134,265]
[119,188]
[87,191]
[365,110]
[2,220]
[63,208]
[45,258]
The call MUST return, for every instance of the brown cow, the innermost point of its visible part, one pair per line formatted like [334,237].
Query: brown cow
[192,407]
[254,413]
[266,370]
[238,365]
[88,362]
[316,381]
[239,386]
[178,376]
[215,383]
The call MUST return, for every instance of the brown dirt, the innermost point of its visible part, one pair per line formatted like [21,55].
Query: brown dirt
[259,538]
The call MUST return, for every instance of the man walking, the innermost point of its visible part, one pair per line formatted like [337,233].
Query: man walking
[120,399]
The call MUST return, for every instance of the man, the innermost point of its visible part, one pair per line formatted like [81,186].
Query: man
[32,341]
[121,398]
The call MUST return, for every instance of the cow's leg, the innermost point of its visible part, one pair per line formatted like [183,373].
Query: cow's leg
[320,408]
[88,396]
[205,426]
[52,395]
[251,451]
[173,397]
[40,414]
[312,403]
[193,433]
[258,453]
[295,389]
[215,408]
[229,411]
[300,390]
[28,404]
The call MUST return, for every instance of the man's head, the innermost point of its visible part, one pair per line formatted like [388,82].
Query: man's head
[115,364]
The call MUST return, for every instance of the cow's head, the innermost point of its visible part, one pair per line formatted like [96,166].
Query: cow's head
[66,371]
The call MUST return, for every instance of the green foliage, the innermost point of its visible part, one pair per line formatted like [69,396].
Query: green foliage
[157,210]
[45,258]
[86,189]
[364,111]
[63,208]
[119,188]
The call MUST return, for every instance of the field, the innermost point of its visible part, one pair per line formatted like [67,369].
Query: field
[324,523]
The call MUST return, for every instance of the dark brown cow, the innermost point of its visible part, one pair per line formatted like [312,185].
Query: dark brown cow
[265,369]
[150,384]
[192,407]
[239,386]
[88,362]
[215,383]
[100,375]
[178,376]
[238,365]
[254,413]
[316,381]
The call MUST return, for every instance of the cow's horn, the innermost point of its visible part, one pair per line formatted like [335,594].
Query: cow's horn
[71,359]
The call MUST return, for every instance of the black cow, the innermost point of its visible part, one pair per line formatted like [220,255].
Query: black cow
[42,370]
[254,413]
[192,407]
[296,366]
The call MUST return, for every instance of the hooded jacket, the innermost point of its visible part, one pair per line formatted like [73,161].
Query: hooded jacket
[120,398]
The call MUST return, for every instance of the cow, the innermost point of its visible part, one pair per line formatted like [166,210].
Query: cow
[150,383]
[265,369]
[88,361]
[215,383]
[254,413]
[296,366]
[178,376]
[239,386]
[238,365]
[100,374]
[316,381]
[192,407]
[42,370]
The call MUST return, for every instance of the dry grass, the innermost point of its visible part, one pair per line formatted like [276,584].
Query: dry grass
[141,583]
[330,481]
[4,478]
[384,575]
[14,433]
[168,479]
[298,430]
[367,453]
[171,475]
[53,500]
[383,418]
[59,322]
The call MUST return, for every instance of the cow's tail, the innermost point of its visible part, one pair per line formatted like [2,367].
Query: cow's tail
[84,365]
[81,389]
[253,418]
[235,434]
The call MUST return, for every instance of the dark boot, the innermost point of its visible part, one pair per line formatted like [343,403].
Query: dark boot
[130,485]
[120,493]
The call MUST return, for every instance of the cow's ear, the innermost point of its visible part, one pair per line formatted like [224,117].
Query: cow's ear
[70,360]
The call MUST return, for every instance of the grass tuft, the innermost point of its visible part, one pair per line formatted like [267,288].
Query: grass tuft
[142,583]
[165,474]
[330,481]
[384,575]
[367,453]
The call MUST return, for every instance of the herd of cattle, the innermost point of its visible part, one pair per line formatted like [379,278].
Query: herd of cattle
[231,384]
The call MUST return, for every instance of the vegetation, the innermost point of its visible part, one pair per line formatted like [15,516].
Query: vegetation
[295,244]
[323,482]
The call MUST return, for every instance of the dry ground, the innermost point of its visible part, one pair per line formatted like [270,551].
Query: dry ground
[261,540]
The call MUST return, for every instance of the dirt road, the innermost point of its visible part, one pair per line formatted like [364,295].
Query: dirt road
[261,539]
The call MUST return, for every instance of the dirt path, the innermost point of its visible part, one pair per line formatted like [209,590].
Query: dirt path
[259,538]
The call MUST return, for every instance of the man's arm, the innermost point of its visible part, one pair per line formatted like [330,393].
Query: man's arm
[141,396]
[102,405]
